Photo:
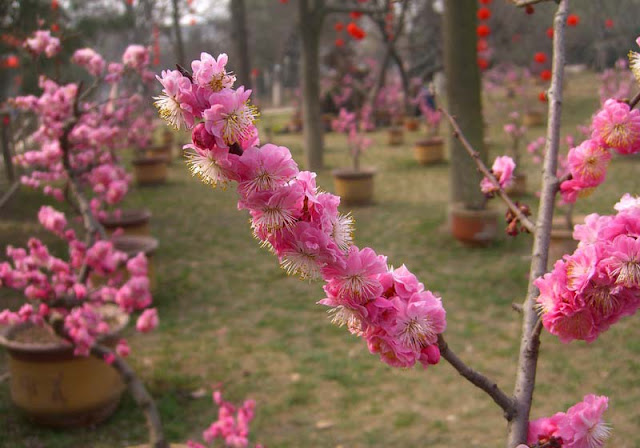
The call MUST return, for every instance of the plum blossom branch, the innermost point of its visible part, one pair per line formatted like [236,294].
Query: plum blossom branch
[457,132]
[478,379]
[634,101]
[530,342]
[139,393]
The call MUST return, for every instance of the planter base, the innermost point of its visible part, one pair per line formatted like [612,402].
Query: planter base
[473,228]
[354,187]
[429,151]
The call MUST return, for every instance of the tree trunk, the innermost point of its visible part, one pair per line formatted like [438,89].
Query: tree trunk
[310,24]
[463,98]
[178,33]
[405,80]
[239,32]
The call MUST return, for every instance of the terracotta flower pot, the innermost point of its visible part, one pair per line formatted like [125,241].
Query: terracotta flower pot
[411,124]
[150,170]
[395,136]
[354,187]
[518,186]
[53,387]
[131,221]
[474,228]
[533,118]
[429,151]
[134,244]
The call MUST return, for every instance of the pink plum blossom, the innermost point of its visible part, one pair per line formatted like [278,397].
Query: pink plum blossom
[43,42]
[147,321]
[588,163]
[618,127]
[210,73]
[135,57]
[502,169]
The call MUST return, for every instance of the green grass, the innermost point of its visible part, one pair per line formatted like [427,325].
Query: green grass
[230,316]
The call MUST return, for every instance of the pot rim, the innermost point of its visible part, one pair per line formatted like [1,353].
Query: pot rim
[62,346]
[349,173]
[154,160]
[128,216]
[430,141]
[460,209]
[133,244]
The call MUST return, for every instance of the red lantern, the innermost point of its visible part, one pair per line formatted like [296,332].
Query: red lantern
[54,4]
[482,45]
[484,14]
[355,15]
[485,2]
[540,57]
[254,73]
[529,9]
[11,61]
[483,64]
[573,20]
[55,27]
[339,42]
[545,75]
[608,23]
[355,31]
[339,26]
[549,33]
[483,30]
[542,97]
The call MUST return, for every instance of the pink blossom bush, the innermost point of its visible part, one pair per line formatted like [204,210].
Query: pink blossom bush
[42,42]
[301,225]
[232,426]
[349,123]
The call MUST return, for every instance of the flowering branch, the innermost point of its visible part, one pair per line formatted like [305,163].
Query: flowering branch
[139,394]
[530,342]
[479,380]
[457,132]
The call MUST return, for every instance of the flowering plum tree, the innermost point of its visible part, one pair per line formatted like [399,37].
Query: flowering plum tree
[77,138]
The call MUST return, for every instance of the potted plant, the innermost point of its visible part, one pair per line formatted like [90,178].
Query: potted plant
[515,132]
[390,100]
[66,355]
[431,149]
[354,185]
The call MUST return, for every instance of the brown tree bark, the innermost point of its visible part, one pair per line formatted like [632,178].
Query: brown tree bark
[463,100]
[239,33]
[177,29]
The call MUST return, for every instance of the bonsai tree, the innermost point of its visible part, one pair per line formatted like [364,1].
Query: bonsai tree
[347,122]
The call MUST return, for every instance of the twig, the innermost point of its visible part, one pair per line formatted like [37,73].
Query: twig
[526,222]
[521,3]
[139,393]
[531,326]
[9,193]
[478,379]
[634,102]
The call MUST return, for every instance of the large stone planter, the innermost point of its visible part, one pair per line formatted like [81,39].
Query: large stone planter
[53,387]
[131,221]
[429,151]
[354,187]
[150,170]
[474,228]
[395,136]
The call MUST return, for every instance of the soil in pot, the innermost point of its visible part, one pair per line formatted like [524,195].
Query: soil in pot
[429,151]
[150,170]
[131,221]
[473,228]
[354,187]
[395,136]
[53,387]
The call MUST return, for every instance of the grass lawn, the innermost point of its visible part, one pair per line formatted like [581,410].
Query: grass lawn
[231,317]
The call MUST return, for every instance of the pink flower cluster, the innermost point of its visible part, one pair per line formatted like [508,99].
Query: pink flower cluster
[615,127]
[502,169]
[300,224]
[591,289]
[580,427]
[43,42]
[232,426]
[104,126]
[48,281]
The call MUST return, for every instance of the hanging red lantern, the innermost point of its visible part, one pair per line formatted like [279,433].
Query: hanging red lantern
[11,61]
[55,27]
[54,4]
[482,45]
[339,26]
[545,75]
[608,23]
[540,57]
[483,30]
[542,97]
[483,64]
[485,2]
[484,14]
[529,9]
[339,42]
[573,20]
[355,31]
[355,15]
[549,32]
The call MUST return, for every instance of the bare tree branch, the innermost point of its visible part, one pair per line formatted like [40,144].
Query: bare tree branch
[478,379]
[531,326]
[524,220]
